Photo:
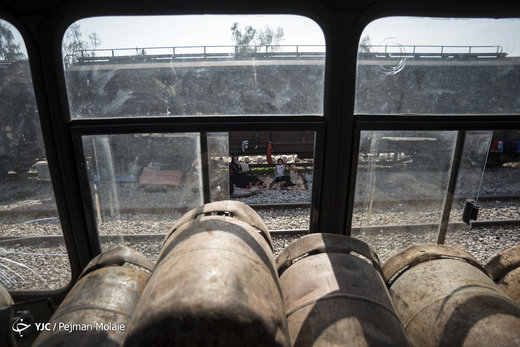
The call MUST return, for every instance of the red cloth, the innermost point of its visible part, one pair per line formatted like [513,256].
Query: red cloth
[269,150]
[494,145]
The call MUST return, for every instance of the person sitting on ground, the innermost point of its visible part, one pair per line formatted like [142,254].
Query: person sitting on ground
[280,176]
[240,179]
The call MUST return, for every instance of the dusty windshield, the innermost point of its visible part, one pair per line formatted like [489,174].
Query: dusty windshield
[409,65]
[32,249]
[227,65]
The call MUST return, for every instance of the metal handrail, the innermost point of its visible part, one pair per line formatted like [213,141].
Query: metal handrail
[201,52]
[279,51]
[432,51]
[495,49]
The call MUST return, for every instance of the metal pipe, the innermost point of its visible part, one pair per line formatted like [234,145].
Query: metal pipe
[204,167]
[450,192]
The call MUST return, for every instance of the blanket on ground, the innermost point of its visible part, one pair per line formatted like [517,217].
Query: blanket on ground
[300,183]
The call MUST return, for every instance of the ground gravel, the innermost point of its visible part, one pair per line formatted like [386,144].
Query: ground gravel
[28,262]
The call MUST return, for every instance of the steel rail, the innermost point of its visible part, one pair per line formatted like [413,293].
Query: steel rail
[167,210]
[53,240]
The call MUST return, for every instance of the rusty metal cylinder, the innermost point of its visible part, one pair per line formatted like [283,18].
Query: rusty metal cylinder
[444,297]
[97,310]
[6,318]
[214,284]
[505,271]
[335,295]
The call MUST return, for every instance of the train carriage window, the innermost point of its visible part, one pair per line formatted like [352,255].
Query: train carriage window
[119,67]
[404,191]
[196,65]
[140,184]
[414,186]
[32,249]
[411,66]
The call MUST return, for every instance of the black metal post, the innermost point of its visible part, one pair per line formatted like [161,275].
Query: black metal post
[454,173]
[204,167]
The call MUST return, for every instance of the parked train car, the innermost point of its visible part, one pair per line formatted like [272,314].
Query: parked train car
[504,148]
[282,142]
[21,141]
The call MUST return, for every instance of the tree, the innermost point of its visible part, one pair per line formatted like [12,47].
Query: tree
[75,47]
[8,49]
[364,44]
[250,39]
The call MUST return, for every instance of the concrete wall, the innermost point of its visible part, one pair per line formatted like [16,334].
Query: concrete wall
[292,87]
[480,86]
[188,89]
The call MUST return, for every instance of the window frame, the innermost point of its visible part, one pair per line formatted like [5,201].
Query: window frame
[71,130]
[337,132]
[446,122]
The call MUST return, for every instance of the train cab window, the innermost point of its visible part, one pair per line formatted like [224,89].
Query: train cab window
[140,184]
[414,66]
[185,67]
[197,65]
[413,185]
[32,249]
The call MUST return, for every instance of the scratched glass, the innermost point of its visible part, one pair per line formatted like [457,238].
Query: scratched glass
[416,66]
[32,250]
[403,190]
[141,184]
[194,65]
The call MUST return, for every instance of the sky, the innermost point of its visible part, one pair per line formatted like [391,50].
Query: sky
[200,30]
[447,32]
[209,30]
[195,30]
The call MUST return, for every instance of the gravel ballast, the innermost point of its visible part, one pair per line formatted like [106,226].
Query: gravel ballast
[34,263]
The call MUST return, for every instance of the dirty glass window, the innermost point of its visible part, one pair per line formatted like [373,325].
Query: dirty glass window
[32,249]
[194,65]
[412,187]
[140,184]
[411,66]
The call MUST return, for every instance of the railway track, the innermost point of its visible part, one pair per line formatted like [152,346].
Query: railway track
[34,216]
[483,241]
[53,240]
[43,214]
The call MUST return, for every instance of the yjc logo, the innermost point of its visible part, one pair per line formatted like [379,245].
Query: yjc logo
[20,326]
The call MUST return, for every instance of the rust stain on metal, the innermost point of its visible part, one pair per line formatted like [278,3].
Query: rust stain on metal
[505,271]
[334,298]
[444,299]
[105,295]
[215,283]
[235,209]
[324,243]
[118,256]
[417,254]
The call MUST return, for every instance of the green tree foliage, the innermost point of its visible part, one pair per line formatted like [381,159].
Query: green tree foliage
[75,46]
[8,49]
[251,40]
